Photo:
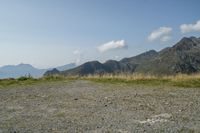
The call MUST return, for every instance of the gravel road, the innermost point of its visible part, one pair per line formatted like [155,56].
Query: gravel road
[88,107]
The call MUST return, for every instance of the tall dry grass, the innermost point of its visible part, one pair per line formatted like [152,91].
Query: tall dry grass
[144,76]
[180,80]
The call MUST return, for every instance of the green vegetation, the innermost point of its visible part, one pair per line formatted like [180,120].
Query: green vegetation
[180,80]
[19,81]
[28,80]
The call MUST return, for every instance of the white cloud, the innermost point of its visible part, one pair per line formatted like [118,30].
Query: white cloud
[185,28]
[161,34]
[77,53]
[112,45]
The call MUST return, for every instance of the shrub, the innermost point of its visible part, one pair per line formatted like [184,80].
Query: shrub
[23,78]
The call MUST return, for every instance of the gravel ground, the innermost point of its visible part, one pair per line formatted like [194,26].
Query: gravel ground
[84,106]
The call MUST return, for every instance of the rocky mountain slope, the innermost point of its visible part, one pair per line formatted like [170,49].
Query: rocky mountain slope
[183,57]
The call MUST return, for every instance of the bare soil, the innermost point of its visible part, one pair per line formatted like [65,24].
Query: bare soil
[88,107]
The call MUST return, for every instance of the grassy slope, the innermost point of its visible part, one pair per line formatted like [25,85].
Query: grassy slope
[191,81]
[177,81]
[31,81]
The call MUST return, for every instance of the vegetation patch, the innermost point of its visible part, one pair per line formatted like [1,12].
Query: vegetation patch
[179,80]
[27,80]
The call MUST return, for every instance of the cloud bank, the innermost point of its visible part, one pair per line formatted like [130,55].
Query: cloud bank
[185,28]
[161,34]
[112,45]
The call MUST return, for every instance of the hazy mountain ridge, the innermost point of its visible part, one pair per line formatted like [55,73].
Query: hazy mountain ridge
[15,71]
[66,67]
[183,57]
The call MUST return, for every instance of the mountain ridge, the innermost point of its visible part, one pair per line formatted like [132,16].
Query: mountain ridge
[15,71]
[183,57]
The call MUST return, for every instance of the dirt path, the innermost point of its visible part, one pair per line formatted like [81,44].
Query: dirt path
[83,106]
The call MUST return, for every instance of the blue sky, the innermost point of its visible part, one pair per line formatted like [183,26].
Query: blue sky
[48,33]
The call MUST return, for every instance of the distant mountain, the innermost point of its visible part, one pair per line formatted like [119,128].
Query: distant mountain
[126,65]
[15,71]
[52,72]
[183,57]
[66,67]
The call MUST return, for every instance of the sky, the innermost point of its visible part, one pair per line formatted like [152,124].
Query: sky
[50,33]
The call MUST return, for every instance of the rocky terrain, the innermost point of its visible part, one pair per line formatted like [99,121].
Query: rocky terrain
[85,106]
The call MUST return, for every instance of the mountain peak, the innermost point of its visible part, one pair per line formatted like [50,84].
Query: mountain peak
[141,57]
[66,67]
[149,53]
[193,37]
[25,65]
[186,39]
[93,63]
[187,43]
[110,61]
[51,72]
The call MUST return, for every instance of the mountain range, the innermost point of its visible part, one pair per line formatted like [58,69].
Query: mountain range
[183,57]
[15,71]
